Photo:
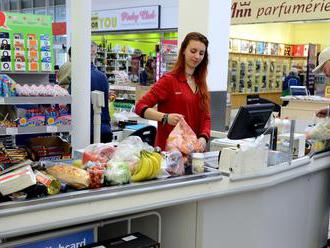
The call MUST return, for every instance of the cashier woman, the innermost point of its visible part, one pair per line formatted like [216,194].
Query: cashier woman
[324,66]
[181,93]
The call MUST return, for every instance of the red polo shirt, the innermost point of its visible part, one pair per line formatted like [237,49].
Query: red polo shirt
[173,95]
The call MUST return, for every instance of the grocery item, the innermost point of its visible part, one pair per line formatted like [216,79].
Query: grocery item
[53,185]
[101,153]
[173,163]
[149,166]
[129,151]
[17,180]
[197,162]
[96,174]
[73,176]
[183,139]
[118,173]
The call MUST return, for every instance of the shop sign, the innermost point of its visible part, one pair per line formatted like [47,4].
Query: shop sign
[126,19]
[73,240]
[260,11]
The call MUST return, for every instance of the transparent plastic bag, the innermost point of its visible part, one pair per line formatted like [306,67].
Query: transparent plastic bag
[321,131]
[128,151]
[100,152]
[183,139]
[118,173]
[173,163]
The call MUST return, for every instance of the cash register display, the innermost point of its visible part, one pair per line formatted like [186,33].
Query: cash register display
[250,121]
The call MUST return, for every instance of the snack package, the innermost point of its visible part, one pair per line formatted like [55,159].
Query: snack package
[183,139]
[173,163]
[101,153]
[73,176]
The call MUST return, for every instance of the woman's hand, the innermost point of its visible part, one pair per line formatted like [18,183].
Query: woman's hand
[202,144]
[173,119]
[322,113]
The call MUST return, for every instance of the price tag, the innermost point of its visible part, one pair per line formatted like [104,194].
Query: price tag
[2,100]
[51,129]
[11,130]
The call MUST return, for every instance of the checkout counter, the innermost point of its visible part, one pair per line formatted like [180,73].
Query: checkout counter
[286,205]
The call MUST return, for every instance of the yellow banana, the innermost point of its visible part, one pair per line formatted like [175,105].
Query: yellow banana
[159,159]
[143,172]
[156,165]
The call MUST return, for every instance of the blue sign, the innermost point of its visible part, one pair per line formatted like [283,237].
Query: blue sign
[72,240]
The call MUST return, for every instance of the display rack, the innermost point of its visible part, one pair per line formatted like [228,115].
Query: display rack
[168,56]
[257,67]
[109,61]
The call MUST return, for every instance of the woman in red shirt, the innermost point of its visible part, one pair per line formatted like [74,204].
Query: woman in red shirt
[181,93]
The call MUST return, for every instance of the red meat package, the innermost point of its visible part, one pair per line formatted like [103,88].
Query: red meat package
[183,139]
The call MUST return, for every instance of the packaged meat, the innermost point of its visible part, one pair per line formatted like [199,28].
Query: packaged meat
[73,176]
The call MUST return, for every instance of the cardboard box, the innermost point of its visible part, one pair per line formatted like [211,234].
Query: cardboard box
[48,148]
[133,240]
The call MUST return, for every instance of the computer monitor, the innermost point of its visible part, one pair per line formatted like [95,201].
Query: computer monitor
[250,121]
[298,91]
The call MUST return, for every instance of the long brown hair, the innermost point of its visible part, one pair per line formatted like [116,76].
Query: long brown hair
[200,71]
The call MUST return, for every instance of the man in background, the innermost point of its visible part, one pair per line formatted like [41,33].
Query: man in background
[291,80]
[99,81]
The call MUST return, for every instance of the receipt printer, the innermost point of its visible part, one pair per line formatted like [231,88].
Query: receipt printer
[236,160]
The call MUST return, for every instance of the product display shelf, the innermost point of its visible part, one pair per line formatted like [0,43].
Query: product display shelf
[35,100]
[109,61]
[34,130]
[256,74]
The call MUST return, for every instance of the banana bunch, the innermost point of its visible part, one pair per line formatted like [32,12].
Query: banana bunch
[149,166]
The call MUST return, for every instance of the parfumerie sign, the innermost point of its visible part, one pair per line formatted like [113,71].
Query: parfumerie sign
[261,11]
[126,19]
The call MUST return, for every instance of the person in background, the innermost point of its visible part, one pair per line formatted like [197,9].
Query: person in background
[64,73]
[323,67]
[148,75]
[134,72]
[99,81]
[291,80]
[181,93]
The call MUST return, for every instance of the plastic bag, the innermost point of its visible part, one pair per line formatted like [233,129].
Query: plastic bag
[128,151]
[96,174]
[183,139]
[173,163]
[101,153]
[118,173]
[321,131]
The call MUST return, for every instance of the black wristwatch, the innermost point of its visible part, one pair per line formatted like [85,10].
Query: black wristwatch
[165,119]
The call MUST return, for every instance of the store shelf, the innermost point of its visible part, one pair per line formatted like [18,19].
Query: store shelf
[268,55]
[35,100]
[34,130]
[28,72]
[122,87]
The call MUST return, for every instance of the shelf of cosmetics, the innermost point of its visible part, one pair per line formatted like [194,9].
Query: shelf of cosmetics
[253,74]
